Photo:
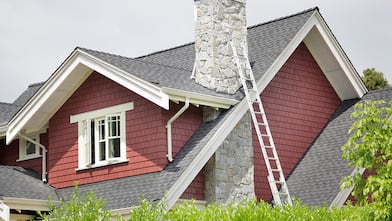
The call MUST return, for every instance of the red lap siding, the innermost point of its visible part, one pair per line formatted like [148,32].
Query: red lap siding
[298,103]
[145,135]
[195,190]
[10,154]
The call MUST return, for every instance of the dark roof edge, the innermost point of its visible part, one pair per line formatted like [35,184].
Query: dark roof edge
[9,104]
[285,17]
[36,84]
[165,50]
[344,52]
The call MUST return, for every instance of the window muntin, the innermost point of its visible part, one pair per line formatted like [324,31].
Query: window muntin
[101,136]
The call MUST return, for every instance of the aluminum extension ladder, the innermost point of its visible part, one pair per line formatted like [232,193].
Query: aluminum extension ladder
[275,177]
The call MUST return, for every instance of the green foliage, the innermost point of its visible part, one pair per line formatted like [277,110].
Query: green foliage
[247,210]
[90,208]
[370,147]
[79,209]
[374,80]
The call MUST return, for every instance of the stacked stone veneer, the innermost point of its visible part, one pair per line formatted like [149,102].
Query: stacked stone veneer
[229,174]
[217,23]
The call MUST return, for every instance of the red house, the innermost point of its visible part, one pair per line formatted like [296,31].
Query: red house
[126,127]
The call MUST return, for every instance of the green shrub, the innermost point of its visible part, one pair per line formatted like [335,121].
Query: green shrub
[249,210]
[89,208]
[79,208]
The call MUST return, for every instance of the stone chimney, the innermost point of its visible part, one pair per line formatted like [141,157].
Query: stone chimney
[217,23]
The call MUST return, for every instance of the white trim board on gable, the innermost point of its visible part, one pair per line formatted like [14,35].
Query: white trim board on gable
[61,85]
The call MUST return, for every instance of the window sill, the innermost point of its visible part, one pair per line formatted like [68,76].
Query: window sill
[102,164]
[29,158]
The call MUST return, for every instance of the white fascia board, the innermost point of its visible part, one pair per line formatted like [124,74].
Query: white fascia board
[143,88]
[180,185]
[199,99]
[40,97]
[79,61]
[340,56]
[342,196]
[27,204]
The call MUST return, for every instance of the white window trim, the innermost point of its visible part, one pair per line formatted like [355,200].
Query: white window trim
[83,120]
[22,149]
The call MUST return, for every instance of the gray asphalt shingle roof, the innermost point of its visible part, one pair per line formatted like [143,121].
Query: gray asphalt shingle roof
[316,179]
[7,111]
[172,68]
[161,75]
[23,183]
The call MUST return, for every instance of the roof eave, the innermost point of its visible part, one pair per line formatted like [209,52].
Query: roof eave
[28,204]
[65,80]
[199,99]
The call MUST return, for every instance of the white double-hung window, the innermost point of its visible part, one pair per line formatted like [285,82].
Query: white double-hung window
[101,136]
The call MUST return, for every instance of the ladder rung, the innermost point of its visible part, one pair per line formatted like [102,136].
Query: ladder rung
[279,182]
[269,147]
[262,124]
[271,158]
[275,170]
[257,112]
[264,135]
[283,193]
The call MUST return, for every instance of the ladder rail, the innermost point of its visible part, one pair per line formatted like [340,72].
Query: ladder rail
[251,100]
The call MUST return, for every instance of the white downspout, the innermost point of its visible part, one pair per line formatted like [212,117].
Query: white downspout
[43,155]
[169,132]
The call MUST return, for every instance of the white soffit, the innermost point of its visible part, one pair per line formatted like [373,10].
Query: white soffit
[333,61]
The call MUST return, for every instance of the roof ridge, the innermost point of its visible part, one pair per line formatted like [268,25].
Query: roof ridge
[135,59]
[285,17]
[104,52]
[10,104]
[165,50]
[250,27]
[37,84]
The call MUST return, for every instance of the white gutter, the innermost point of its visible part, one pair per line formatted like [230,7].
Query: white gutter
[169,132]
[43,155]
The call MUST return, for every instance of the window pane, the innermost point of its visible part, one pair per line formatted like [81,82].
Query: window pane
[102,151]
[114,125]
[30,148]
[114,147]
[101,128]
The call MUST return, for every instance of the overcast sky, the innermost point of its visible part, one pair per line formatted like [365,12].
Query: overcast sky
[36,36]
